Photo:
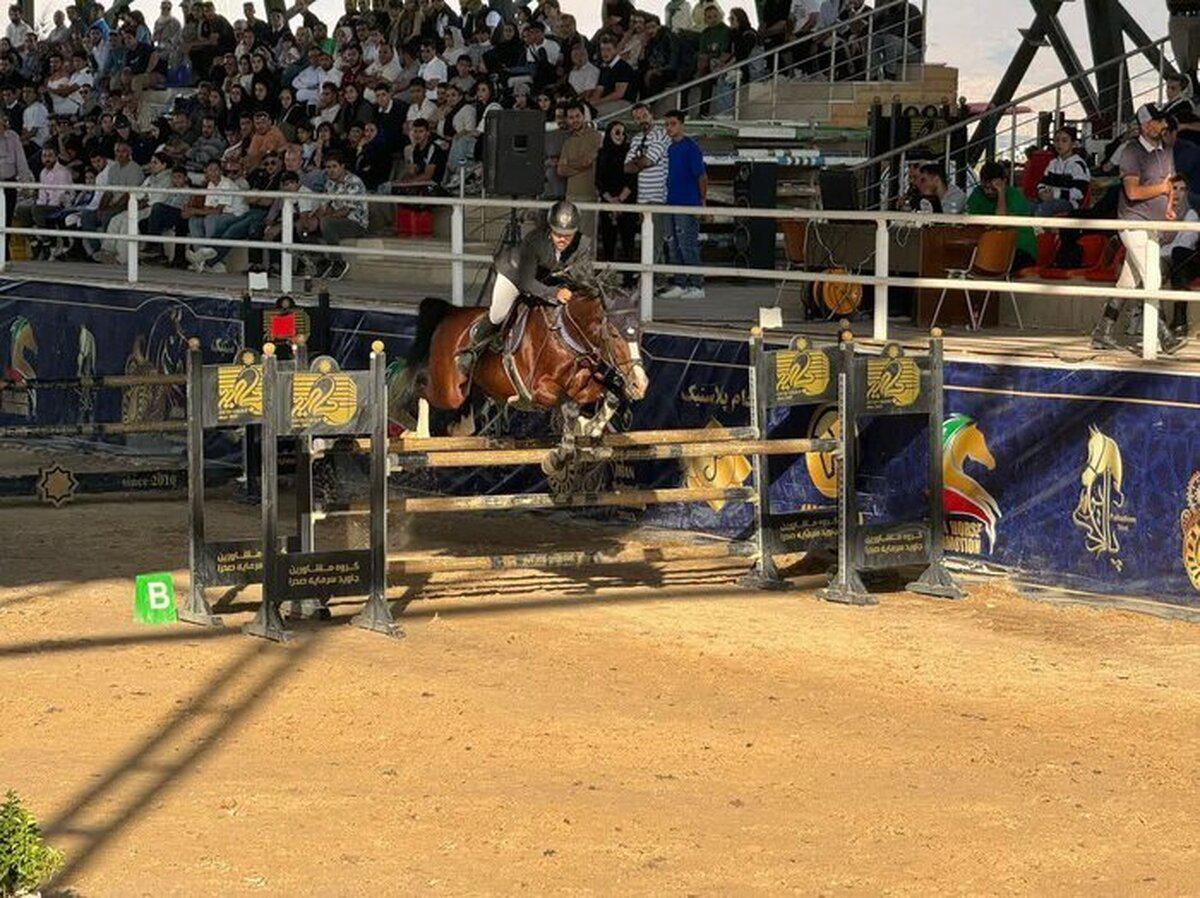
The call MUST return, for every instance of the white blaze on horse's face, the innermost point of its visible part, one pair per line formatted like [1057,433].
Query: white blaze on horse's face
[641,383]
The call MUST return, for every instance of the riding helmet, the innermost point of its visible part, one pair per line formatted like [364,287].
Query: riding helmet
[563,217]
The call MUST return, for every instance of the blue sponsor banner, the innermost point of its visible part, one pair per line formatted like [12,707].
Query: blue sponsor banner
[1079,477]
[1083,478]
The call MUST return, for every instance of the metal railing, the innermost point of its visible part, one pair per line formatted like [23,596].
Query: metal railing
[880,277]
[739,73]
[1145,84]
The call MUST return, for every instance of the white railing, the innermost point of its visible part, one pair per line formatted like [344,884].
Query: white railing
[739,73]
[1144,85]
[455,256]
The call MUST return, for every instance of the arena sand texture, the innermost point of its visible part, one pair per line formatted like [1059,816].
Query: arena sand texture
[582,734]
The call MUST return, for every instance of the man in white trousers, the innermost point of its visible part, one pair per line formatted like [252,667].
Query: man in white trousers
[1147,181]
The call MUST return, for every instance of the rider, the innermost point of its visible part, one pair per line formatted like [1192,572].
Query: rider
[540,266]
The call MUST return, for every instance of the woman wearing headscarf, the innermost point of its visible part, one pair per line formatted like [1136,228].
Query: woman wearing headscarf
[616,188]
[372,158]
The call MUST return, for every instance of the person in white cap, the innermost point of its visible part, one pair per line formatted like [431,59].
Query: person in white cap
[1147,182]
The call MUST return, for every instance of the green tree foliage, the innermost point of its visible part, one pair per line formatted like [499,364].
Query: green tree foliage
[25,861]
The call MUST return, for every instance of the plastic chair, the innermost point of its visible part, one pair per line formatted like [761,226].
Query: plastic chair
[1047,249]
[991,260]
[1108,268]
[1035,167]
[1091,248]
[795,247]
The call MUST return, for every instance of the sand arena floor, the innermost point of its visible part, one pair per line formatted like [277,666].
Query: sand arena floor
[587,734]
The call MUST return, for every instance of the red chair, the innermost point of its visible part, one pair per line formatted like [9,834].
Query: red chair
[1047,249]
[1035,166]
[1108,269]
[1092,247]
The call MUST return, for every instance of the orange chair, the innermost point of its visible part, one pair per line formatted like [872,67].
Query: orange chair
[1092,248]
[795,249]
[991,260]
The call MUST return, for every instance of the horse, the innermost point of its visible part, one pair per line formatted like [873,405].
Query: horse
[567,357]
[1100,492]
[962,494]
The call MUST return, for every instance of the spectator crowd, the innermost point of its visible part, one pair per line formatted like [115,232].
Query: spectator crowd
[390,98]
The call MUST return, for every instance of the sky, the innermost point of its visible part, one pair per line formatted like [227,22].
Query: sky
[976,36]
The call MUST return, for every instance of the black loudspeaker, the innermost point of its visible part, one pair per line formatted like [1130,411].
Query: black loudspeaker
[514,153]
[754,238]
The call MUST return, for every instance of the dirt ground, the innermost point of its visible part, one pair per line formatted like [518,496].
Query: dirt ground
[585,734]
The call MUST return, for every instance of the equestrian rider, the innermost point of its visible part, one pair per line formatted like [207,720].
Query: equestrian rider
[541,266]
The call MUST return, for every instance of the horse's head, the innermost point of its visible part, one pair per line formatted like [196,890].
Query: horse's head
[969,442]
[1103,458]
[615,330]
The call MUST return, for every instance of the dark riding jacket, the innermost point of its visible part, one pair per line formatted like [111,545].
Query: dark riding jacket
[538,271]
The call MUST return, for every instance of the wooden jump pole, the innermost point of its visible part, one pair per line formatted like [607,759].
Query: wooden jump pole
[515,457]
[533,501]
[613,440]
[110,429]
[400,566]
[98,382]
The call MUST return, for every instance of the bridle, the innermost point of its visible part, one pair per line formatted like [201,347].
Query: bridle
[599,359]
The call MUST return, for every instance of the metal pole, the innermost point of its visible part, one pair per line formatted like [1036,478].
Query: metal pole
[737,93]
[832,57]
[4,223]
[924,29]
[870,44]
[1162,61]
[287,235]
[774,81]
[1120,116]
[904,57]
[1012,148]
[646,279]
[882,264]
[1153,281]
[456,246]
[131,248]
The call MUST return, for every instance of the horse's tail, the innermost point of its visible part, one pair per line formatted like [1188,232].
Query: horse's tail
[429,316]
[406,381]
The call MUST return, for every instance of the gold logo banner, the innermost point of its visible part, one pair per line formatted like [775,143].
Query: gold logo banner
[329,399]
[800,373]
[893,379]
[239,391]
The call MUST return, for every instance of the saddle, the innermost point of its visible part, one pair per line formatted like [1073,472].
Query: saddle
[507,342]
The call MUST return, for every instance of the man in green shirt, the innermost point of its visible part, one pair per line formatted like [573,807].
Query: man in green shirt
[995,196]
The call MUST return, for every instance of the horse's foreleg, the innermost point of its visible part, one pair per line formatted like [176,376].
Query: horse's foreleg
[593,428]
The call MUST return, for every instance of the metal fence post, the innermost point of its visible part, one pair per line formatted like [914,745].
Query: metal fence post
[882,265]
[286,235]
[646,279]
[457,290]
[1150,310]
[132,247]
[4,225]
[870,45]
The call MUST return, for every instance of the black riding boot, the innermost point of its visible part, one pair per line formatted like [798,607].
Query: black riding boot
[481,333]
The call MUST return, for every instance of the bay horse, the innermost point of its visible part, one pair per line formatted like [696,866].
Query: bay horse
[566,357]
